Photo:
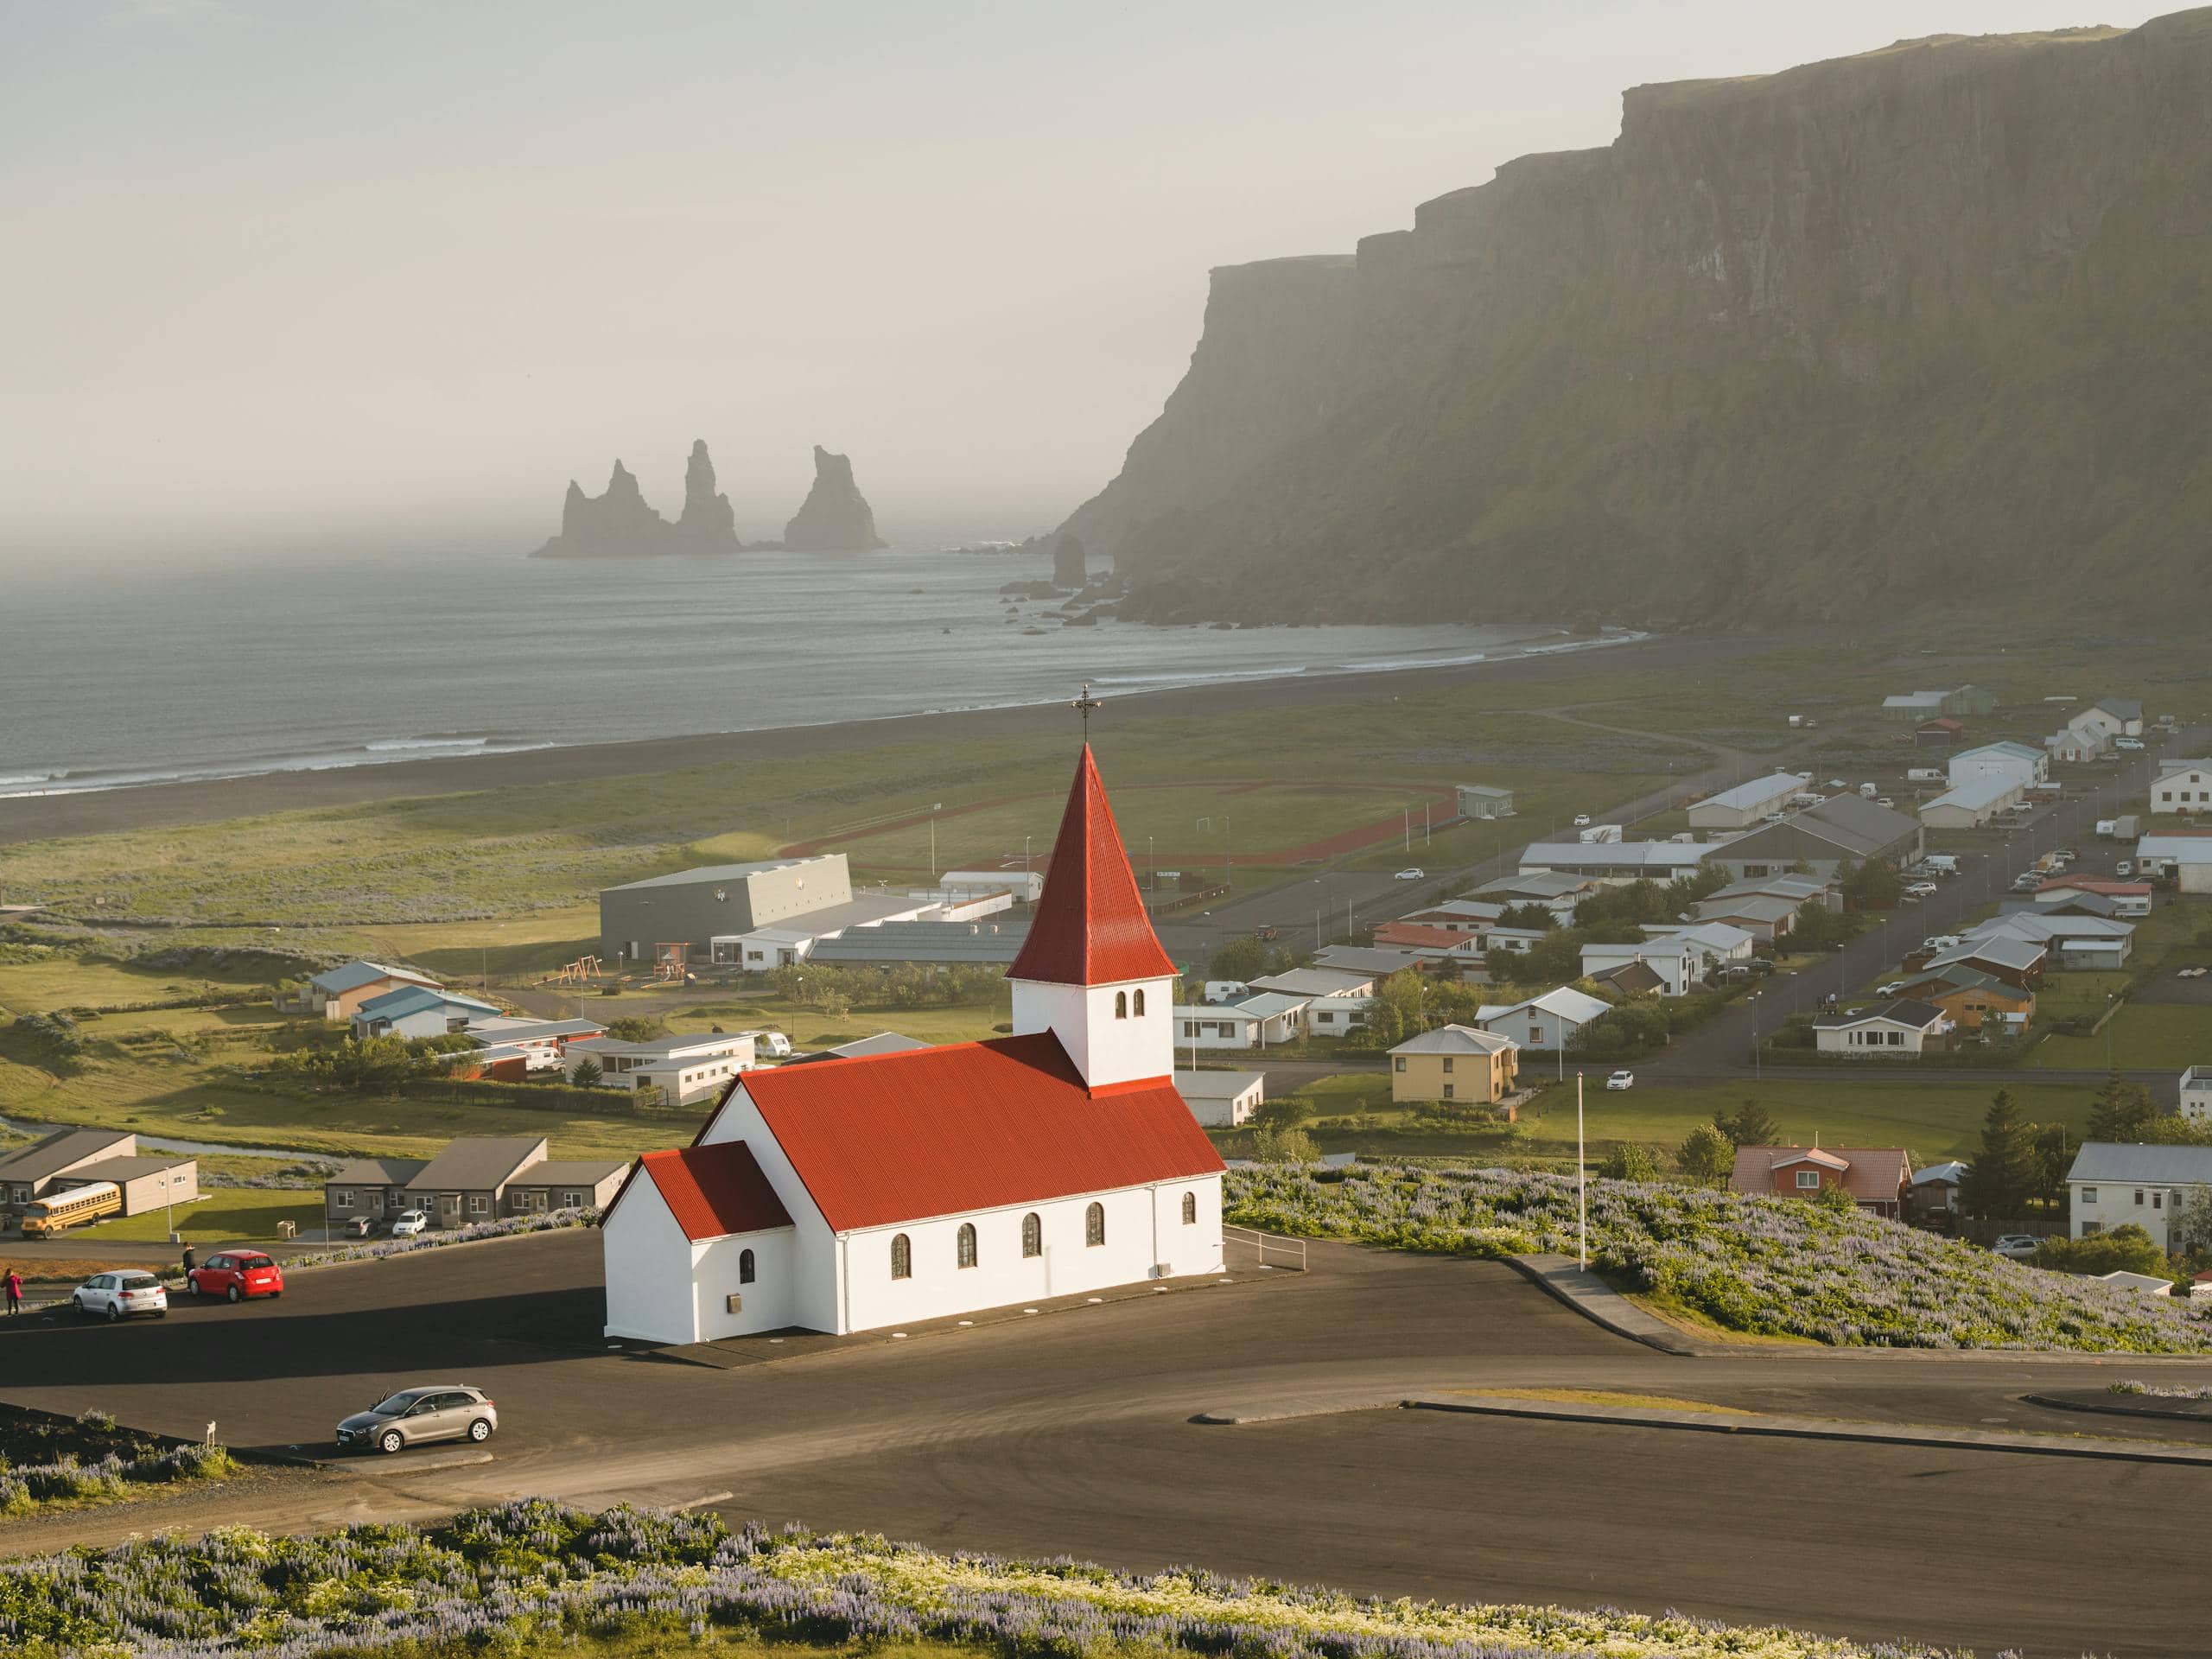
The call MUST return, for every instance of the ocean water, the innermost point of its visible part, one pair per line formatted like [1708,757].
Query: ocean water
[108,680]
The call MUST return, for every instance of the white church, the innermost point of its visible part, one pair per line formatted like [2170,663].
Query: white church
[850,1194]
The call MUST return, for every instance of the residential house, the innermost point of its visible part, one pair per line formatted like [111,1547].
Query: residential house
[2007,760]
[1720,942]
[1940,733]
[2183,786]
[1747,802]
[1456,1063]
[1265,1020]
[1879,1178]
[1523,939]
[1679,963]
[1551,888]
[1337,1016]
[1784,883]
[1458,915]
[544,1044]
[1617,862]
[565,1184]
[1935,1193]
[883,1042]
[2014,960]
[1484,801]
[2127,897]
[338,993]
[1762,917]
[2113,1184]
[416,1011]
[2111,717]
[2196,1092]
[1313,981]
[2184,859]
[1973,803]
[2077,941]
[1637,978]
[468,1181]
[29,1171]
[372,1187]
[2075,746]
[1433,944]
[1972,999]
[1844,829]
[1365,960]
[691,1067]
[1222,1100]
[1549,1023]
[1900,1028]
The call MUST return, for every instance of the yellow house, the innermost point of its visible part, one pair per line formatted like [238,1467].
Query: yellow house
[1454,1062]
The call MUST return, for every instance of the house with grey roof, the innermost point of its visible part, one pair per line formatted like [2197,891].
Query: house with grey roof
[1222,1100]
[2113,1184]
[372,1187]
[1842,829]
[1745,804]
[1897,1029]
[1484,801]
[927,941]
[29,1171]
[2025,765]
[419,1011]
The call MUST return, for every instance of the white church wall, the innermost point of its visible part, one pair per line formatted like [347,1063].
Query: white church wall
[1003,1275]
[1120,1051]
[647,1260]
[766,1304]
[1194,1247]
[816,1301]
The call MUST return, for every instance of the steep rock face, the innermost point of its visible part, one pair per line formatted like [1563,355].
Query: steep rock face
[1069,570]
[708,524]
[1924,323]
[835,517]
[617,525]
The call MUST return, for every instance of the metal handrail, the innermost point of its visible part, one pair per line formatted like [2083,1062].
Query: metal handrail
[1260,1242]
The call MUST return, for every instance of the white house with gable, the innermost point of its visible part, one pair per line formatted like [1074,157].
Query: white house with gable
[855,1194]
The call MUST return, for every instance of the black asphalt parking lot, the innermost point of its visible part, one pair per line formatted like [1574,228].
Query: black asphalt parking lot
[1072,1432]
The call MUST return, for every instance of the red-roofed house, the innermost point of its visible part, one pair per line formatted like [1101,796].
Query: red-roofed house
[1878,1177]
[852,1194]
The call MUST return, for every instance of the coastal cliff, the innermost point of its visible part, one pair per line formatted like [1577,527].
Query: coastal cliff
[1932,325]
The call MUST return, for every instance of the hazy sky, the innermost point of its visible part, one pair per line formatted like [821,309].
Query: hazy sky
[286,268]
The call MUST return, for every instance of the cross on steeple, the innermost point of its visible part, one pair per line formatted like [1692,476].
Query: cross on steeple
[1083,705]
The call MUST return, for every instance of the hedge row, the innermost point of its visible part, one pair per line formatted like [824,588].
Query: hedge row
[539,1096]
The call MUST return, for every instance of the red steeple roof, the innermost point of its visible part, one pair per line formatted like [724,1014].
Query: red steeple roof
[1090,926]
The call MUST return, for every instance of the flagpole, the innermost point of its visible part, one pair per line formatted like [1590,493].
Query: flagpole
[1581,1185]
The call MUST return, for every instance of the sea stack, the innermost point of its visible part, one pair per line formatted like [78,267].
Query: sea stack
[708,524]
[1068,567]
[617,525]
[835,517]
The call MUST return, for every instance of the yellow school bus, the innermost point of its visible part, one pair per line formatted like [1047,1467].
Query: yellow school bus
[45,1217]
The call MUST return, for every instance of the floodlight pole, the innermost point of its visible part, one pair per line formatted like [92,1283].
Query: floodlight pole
[1581,1185]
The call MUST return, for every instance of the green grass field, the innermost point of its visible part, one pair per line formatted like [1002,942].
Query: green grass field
[2163,1036]
[225,1215]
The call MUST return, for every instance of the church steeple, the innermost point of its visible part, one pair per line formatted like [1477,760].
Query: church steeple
[1090,927]
[1092,970]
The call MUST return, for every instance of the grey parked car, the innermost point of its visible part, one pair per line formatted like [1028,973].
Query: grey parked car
[440,1411]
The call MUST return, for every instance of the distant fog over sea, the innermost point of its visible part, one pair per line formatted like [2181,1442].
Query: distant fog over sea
[108,680]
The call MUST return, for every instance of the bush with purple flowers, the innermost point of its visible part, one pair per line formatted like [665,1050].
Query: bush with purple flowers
[1770,1267]
[531,1568]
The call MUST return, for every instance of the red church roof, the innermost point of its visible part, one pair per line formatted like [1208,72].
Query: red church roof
[1090,926]
[712,1192]
[887,1138]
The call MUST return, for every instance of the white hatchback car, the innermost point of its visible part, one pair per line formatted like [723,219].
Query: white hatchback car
[1412,875]
[121,1295]
[1621,1080]
[408,1225]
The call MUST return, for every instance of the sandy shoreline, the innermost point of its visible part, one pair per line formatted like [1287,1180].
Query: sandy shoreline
[37,817]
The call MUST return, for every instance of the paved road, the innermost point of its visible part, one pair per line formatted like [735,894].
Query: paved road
[1072,1433]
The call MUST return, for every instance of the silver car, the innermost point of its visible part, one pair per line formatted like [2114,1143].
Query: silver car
[438,1411]
[121,1296]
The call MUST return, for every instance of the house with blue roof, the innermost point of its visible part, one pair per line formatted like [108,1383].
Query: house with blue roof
[338,993]
[420,1011]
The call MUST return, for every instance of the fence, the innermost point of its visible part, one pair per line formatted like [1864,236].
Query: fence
[1291,1251]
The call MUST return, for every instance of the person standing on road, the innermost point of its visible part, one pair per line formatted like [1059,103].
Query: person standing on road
[14,1293]
[190,1260]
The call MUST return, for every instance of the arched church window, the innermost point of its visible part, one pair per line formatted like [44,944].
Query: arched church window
[745,1267]
[1190,1209]
[1033,1234]
[1140,1005]
[967,1246]
[902,1257]
[1120,1004]
[1094,1225]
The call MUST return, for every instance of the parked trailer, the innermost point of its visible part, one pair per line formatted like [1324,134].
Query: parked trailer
[2126,827]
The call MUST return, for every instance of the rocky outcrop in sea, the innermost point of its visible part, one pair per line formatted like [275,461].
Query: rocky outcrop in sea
[619,524]
[835,516]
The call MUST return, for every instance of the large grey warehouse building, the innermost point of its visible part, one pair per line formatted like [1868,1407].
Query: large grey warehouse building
[694,907]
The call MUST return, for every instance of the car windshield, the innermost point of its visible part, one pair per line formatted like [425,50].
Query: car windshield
[137,1281]
[398,1404]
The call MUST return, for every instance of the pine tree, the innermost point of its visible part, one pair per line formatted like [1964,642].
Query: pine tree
[1751,1126]
[2120,1110]
[2004,1173]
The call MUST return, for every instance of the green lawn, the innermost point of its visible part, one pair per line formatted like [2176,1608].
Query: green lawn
[2160,1036]
[224,1215]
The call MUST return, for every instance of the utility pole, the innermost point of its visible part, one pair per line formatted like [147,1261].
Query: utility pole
[1224,850]
[934,807]
[1581,1184]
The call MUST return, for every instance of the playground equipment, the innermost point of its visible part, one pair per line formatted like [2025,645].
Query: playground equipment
[580,970]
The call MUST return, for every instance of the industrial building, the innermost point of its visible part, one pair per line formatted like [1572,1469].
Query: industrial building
[1746,803]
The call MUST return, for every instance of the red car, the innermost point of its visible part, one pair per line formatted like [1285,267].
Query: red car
[237,1275]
